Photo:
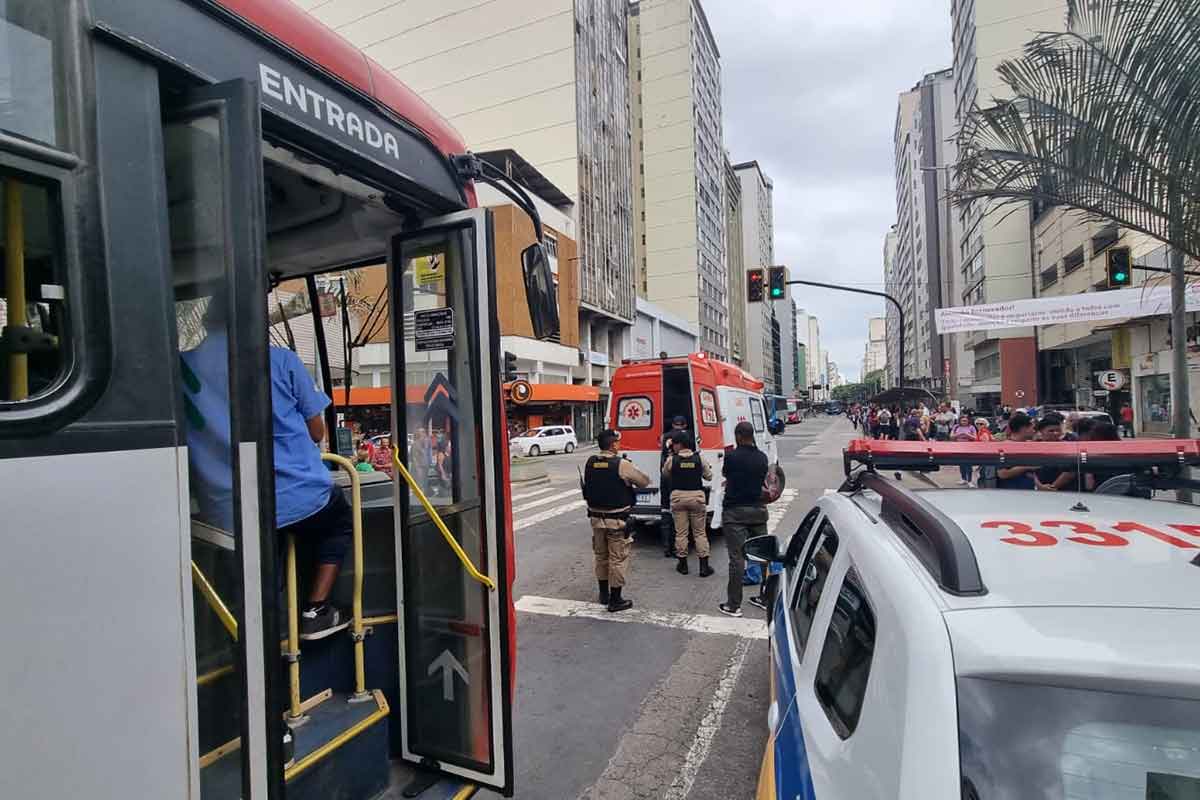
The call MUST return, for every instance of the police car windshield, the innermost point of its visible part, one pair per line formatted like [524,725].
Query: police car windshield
[1022,741]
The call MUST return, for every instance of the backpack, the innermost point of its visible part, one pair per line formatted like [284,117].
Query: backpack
[773,484]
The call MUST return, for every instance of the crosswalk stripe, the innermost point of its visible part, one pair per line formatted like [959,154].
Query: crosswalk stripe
[542,501]
[525,522]
[744,627]
[534,493]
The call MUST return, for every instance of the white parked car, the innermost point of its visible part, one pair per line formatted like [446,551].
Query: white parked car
[546,439]
[985,645]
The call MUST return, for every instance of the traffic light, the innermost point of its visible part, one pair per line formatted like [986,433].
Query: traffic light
[777,282]
[754,285]
[1120,268]
[510,367]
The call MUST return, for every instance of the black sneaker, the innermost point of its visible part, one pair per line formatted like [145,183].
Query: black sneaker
[321,621]
[758,601]
[730,611]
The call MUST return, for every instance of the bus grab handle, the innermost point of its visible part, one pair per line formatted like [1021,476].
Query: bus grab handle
[441,526]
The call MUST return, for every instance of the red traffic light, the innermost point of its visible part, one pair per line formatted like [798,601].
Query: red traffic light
[754,285]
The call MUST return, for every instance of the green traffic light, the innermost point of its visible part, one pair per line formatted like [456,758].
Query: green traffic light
[1120,277]
[777,292]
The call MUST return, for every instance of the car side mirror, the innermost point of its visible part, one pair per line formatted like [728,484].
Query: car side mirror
[763,549]
[540,291]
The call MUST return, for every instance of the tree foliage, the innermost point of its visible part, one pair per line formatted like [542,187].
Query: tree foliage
[1104,117]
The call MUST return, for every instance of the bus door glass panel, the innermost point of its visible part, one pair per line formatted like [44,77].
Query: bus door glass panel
[452,703]
[214,261]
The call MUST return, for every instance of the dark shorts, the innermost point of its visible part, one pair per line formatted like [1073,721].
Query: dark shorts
[328,532]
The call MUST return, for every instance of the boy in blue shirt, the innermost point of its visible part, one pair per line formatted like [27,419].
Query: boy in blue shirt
[307,504]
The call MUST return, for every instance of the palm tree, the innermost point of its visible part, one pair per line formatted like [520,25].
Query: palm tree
[1103,117]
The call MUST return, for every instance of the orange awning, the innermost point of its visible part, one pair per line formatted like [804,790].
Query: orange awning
[542,393]
[377,395]
[561,393]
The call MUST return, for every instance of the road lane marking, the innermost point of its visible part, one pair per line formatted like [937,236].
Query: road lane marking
[534,493]
[710,725]
[542,501]
[744,627]
[779,509]
[525,522]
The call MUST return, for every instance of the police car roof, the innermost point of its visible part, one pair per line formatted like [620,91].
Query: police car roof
[1038,549]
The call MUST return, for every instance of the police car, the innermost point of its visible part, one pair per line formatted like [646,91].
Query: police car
[987,645]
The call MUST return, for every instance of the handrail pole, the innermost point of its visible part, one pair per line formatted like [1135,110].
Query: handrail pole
[14,284]
[441,526]
[214,601]
[295,711]
[360,672]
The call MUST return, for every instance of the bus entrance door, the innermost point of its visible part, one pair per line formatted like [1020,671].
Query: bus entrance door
[454,546]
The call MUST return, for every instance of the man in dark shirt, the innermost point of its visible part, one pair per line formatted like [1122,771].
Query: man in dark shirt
[744,515]
[1020,429]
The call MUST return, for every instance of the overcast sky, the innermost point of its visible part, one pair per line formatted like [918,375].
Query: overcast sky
[810,92]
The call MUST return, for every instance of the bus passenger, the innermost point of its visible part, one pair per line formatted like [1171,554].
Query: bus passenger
[307,504]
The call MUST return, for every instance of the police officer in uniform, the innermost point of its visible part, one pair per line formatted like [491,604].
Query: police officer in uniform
[667,524]
[687,472]
[606,488]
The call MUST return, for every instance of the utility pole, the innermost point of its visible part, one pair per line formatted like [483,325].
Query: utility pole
[884,295]
[1181,406]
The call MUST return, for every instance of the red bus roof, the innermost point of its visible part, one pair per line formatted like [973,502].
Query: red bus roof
[291,26]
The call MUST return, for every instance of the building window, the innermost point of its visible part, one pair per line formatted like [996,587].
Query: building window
[1049,277]
[1073,261]
[1105,238]
[37,333]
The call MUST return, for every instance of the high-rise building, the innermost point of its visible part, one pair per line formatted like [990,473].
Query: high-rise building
[549,80]
[995,253]
[736,271]
[783,313]
[797,377]
[758,250]
[875,352]
[675,89]
[892,315]
[815,357]
[921,273]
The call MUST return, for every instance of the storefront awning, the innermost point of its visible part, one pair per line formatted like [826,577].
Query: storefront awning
[377,395]
[562,393]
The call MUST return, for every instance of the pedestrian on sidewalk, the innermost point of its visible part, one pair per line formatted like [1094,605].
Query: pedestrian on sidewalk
[606,489]
[687,473]
[744,515]
[965,431]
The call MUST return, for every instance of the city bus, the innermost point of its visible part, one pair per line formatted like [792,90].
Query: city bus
[153,161]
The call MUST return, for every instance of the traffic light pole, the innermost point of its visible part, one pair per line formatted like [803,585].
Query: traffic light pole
[885,296]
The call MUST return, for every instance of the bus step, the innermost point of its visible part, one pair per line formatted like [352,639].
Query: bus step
[341,752]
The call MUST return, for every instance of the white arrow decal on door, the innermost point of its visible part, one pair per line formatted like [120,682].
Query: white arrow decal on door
[449,665]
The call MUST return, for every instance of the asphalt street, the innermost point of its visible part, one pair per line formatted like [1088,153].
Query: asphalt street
[664,702]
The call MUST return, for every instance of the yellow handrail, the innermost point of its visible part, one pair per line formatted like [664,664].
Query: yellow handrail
[441,526]
[14,284]
[295,713]
[215,602]
[360,671]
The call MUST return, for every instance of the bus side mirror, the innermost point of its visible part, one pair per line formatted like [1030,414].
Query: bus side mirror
[763,548]
[540,291]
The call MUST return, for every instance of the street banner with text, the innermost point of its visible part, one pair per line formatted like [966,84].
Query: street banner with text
[1085,307]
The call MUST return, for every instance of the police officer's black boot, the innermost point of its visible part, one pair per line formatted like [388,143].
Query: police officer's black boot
[604,593]
[681,567]
[705,569]
[616,602]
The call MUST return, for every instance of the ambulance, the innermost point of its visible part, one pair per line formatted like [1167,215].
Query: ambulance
[711,395]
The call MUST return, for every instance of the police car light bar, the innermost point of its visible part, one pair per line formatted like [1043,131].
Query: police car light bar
[1168,454]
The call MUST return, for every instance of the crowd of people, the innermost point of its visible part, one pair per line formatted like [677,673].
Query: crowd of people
[922,423]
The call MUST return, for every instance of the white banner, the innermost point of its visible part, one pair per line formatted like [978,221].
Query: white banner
[1086,307]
